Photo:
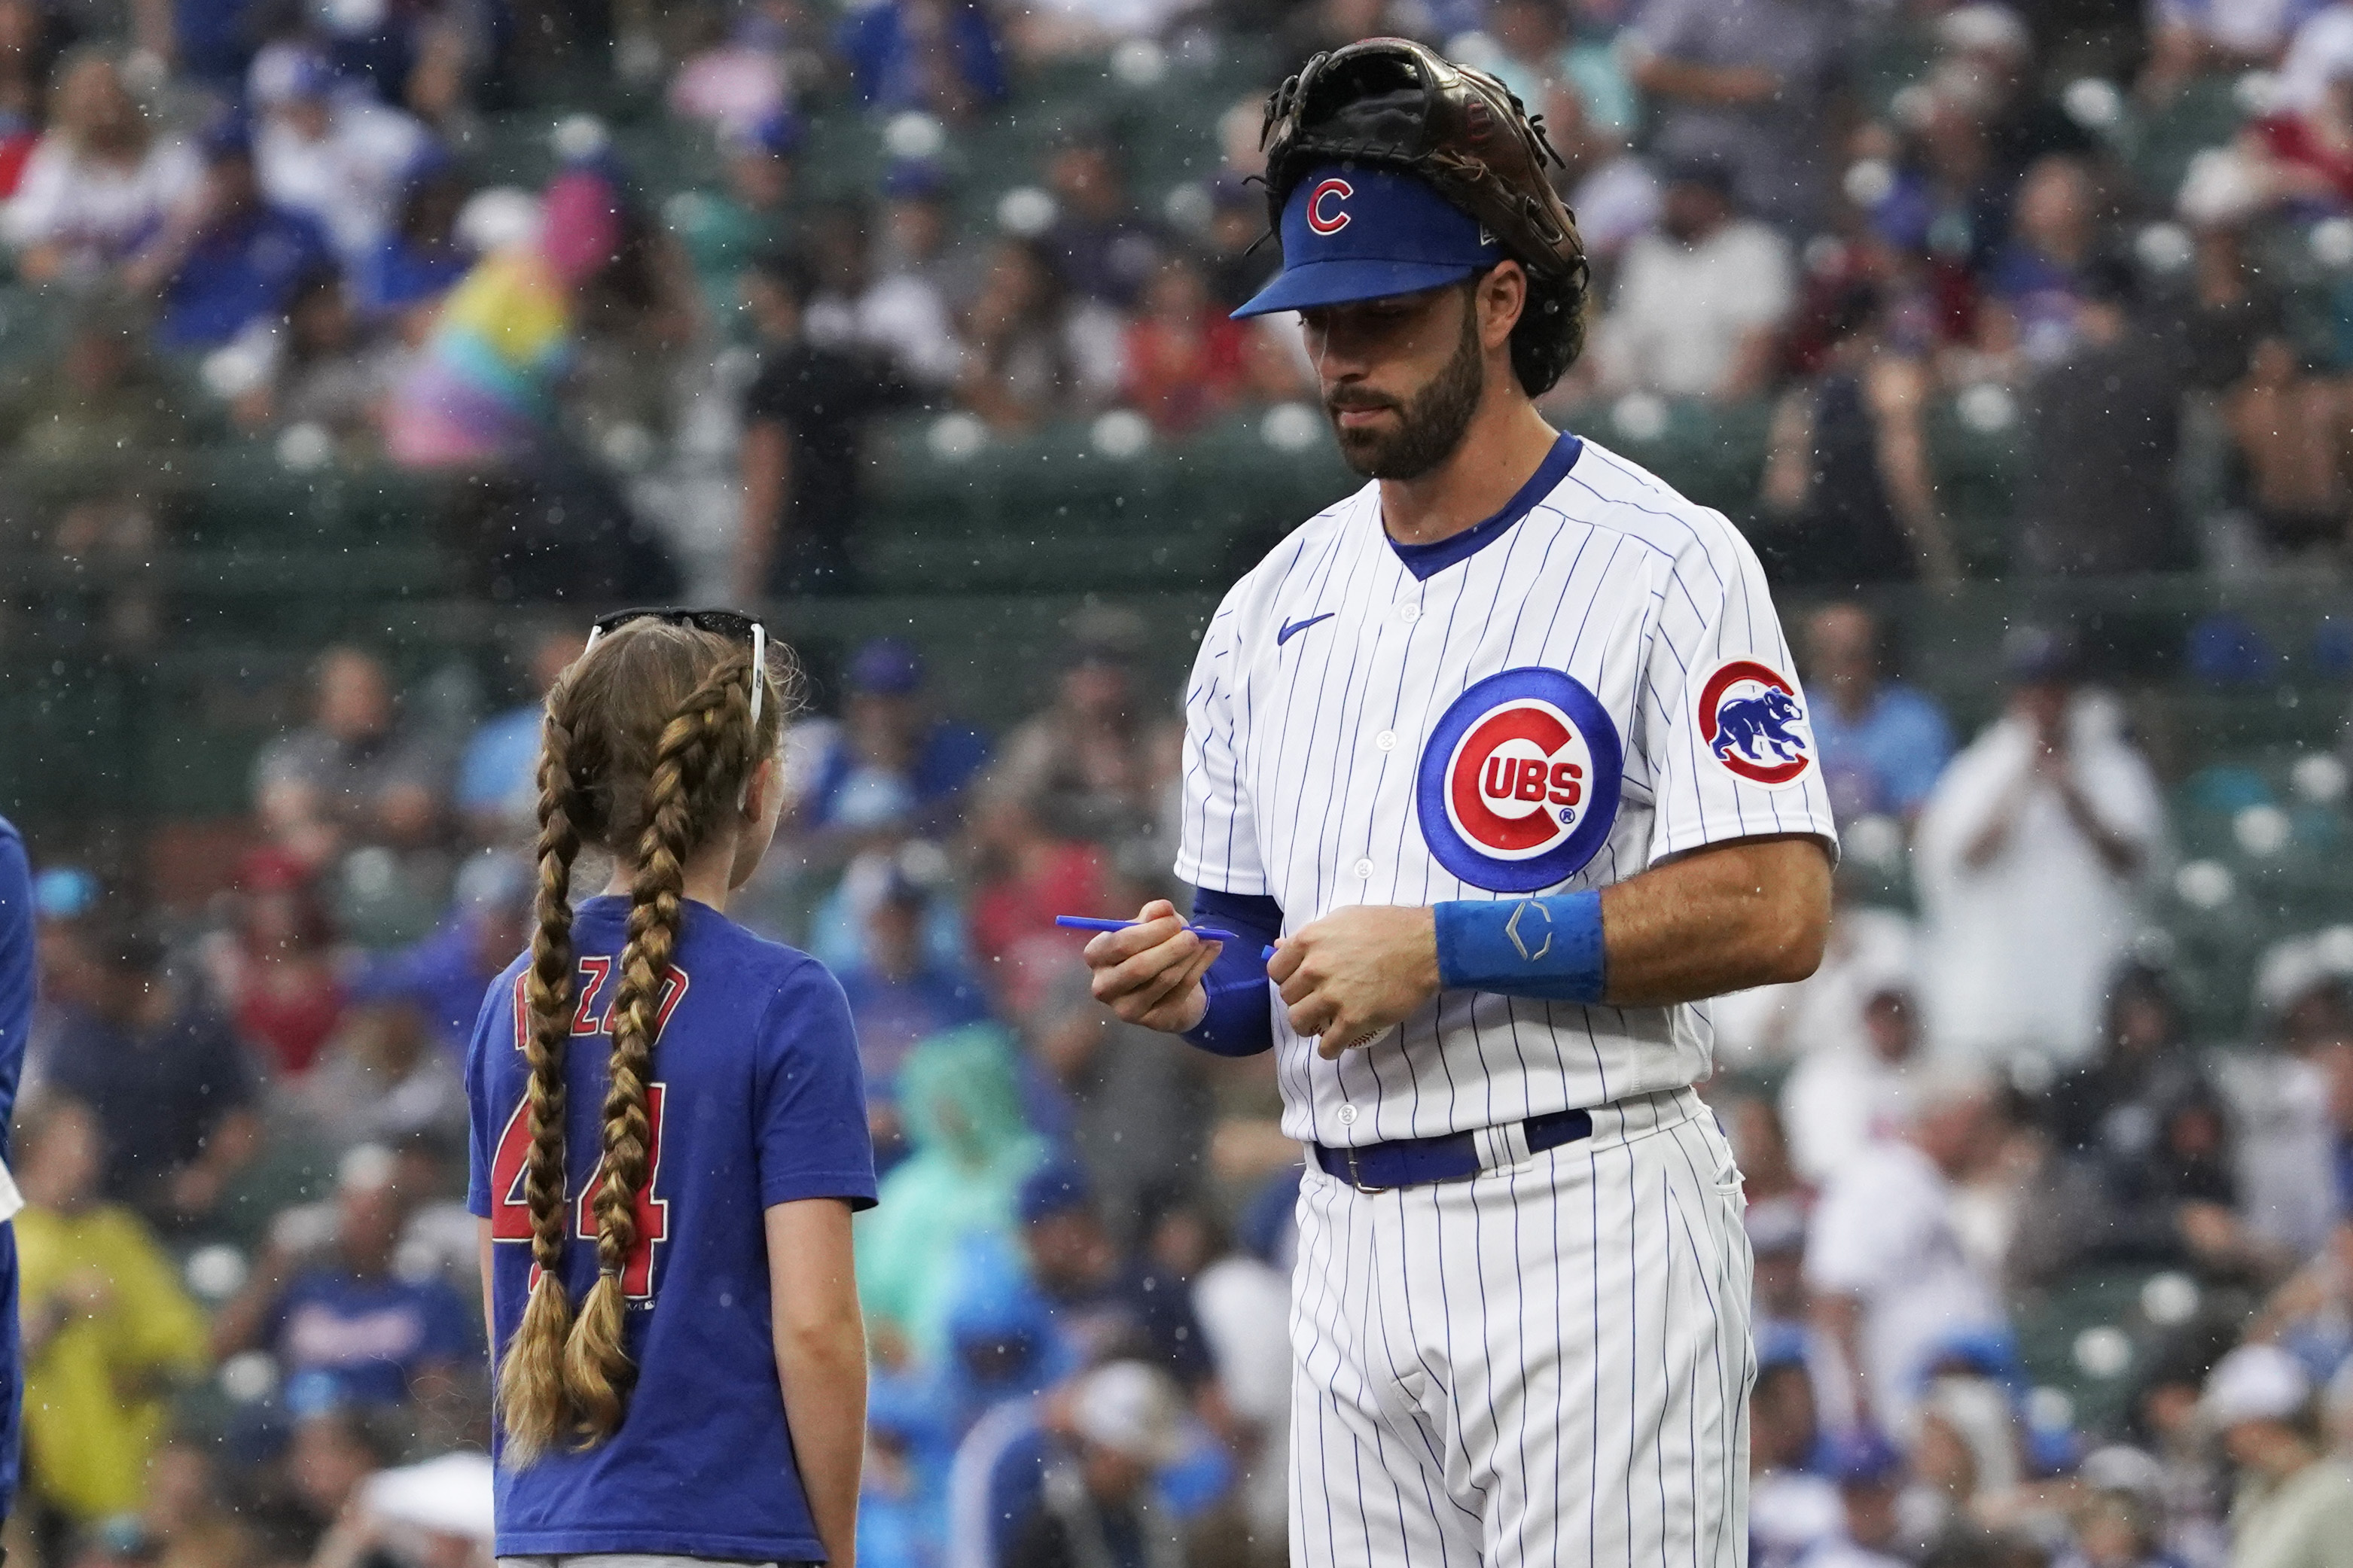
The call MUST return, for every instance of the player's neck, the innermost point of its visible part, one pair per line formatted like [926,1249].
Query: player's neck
[1506,442]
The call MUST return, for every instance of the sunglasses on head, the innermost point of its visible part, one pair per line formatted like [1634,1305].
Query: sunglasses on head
[732,624]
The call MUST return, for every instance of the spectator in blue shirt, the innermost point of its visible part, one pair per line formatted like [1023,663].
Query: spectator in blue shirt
[235,258]
[498,791]
[900,996]
[422,257]
[891,758]
[445,975]
[1111,1306]
[173,1090]
[936,55]
[345,1328]
[1882,743]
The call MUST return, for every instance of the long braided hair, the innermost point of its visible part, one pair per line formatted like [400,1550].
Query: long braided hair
[648,744]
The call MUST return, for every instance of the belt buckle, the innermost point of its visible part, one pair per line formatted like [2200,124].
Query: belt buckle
[1356,1181]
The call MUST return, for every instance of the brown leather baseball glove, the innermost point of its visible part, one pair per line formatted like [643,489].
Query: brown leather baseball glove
[1394,103]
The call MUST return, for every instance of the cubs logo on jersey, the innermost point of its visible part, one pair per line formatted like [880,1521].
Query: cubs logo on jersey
[1752,721]
[1519,782]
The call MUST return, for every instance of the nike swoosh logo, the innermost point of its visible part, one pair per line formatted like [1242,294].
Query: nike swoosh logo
[1292,629]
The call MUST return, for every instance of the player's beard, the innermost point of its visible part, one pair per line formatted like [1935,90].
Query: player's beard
[1429,424]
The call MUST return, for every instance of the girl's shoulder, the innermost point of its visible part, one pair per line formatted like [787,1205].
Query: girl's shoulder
[753,975]
[718,936]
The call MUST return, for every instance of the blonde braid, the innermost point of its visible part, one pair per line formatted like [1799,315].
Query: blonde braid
[704,752]
[532,1401]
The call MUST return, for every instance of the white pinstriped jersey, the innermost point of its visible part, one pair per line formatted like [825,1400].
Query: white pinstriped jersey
[1601,685]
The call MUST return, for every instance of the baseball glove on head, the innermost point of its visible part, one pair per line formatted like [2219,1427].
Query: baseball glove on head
[1393,103]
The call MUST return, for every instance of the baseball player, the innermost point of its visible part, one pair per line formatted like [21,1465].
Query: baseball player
[1508,750]
[669,1137]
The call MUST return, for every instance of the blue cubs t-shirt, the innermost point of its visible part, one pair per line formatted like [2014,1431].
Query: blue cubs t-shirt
[756,1100]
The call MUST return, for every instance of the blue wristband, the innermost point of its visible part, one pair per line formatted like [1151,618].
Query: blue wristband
[1547,948]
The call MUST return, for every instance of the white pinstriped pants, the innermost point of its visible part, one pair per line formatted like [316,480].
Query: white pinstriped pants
[1548,1364]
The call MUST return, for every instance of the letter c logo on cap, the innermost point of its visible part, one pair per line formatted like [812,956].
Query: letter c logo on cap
[1333,222]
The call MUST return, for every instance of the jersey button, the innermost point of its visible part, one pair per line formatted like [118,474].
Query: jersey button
[1409,612]
[1347,1116]
[1364,870]
[1386,740]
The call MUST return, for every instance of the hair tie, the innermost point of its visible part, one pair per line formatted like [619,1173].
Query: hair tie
[610,1273]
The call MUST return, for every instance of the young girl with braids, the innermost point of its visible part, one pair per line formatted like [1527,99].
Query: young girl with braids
[668,1138]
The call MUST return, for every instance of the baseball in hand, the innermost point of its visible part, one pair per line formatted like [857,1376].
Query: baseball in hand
[1357,971]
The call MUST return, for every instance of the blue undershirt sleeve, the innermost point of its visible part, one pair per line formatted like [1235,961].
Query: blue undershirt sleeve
[1240,1020]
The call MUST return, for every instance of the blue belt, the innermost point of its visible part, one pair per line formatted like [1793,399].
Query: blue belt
[1455,1157]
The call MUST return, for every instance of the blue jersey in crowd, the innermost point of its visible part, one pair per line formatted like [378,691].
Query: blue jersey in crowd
[361,1342]
[757,1099]
[1885,761]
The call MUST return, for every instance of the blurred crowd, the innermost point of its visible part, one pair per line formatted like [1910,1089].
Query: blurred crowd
[250,1294]
[250,1300]
[1855,214]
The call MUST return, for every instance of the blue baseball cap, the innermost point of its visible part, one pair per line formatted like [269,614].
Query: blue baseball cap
[1863,1458]
[777,133]
[1056,1188]
[886,666]
[1352,232]
[64,893]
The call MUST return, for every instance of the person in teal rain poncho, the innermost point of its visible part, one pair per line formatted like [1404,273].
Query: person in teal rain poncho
[960,1096]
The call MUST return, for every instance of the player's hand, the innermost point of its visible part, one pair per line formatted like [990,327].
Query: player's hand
[1355,972]
[1150,974]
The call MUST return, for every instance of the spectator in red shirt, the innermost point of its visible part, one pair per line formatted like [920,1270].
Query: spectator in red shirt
[1184,358]
[274,971]
[2307,157]
[1029,875]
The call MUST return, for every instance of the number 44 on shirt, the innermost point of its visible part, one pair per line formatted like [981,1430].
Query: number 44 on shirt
[511,1213]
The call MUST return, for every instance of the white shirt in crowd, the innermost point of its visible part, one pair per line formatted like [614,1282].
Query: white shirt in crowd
[98,211]
[906,315]
[2286,1145]
[1837,1104]
[2250,27]
[1234,1299]
[349,179]
[2322,47]
[1681,311]
[1614,204]
[1790,1514]
[1867,949]
[1883,1233]
[2017,954]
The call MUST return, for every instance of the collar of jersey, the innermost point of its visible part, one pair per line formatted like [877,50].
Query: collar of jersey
[1426,560]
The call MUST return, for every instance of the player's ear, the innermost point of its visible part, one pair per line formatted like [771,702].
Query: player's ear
[1499,299]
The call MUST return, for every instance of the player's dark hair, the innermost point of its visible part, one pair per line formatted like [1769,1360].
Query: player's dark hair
[648,744]
[1550,333]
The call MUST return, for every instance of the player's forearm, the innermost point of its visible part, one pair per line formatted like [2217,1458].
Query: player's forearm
[1755,913]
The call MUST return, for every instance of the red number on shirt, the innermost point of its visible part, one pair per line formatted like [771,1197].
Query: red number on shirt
[653,1212]
[511,1210]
